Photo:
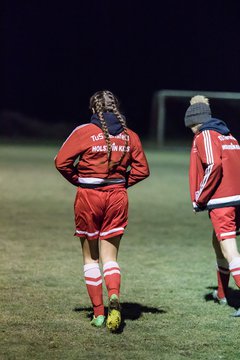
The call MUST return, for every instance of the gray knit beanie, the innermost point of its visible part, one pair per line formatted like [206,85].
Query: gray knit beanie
[198,112]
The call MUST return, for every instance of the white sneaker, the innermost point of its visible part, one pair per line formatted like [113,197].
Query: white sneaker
[236,313]
[221,301]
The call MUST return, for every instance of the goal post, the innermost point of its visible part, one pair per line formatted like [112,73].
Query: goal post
[159,113]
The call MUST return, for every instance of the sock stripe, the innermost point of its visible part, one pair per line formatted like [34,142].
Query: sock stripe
[111,268]
[93,283]
[110,272]
[236,272]
[91,278]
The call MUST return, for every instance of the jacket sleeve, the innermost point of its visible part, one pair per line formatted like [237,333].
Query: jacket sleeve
[139,165]
[210,157]
[68,153]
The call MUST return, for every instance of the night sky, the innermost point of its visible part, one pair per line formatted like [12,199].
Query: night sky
[55,55]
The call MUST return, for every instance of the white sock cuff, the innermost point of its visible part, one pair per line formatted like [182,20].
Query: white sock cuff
[90,266]
[235,263]
[110,264]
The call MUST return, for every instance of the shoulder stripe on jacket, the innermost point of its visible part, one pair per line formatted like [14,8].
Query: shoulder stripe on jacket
[208,146]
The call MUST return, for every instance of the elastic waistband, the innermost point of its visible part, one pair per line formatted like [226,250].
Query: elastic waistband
[92,183]
[227,201]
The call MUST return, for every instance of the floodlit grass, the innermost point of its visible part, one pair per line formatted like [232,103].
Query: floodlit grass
[167,263]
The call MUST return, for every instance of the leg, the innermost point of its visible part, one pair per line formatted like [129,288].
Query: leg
[230,252]
[229,249]
[217,247]
[90,251]
[223,273]
[109,251]
[225,223]
[93,277]
[112,276]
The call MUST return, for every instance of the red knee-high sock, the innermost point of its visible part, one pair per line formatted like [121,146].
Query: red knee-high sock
[234,267]
[112,277]
[223,275]
[93,279]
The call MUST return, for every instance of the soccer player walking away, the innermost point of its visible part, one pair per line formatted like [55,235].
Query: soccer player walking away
[214,178]
[95,158]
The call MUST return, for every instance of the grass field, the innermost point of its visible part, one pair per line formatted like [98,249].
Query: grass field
[166,259]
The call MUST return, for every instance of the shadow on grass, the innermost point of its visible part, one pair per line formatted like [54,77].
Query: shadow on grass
[233,297]
[129,311]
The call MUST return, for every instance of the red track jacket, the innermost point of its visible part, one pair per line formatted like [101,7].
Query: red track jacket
[87,145]
[214,173]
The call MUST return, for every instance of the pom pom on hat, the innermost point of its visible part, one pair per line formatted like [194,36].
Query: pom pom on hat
[199,99]
[198,112]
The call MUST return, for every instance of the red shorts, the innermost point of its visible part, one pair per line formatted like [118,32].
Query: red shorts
[101,213]
[226,222]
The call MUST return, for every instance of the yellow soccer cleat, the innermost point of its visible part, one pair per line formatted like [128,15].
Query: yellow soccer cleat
[114,314]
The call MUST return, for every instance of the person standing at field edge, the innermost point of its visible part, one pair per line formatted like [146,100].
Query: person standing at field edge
[214,177]
[104,149]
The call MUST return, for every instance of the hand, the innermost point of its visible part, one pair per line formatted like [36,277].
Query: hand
[198,208]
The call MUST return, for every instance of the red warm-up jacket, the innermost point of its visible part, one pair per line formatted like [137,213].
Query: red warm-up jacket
[82,159]
[214,173]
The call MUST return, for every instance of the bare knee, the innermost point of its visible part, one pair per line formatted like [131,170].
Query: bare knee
[229,249]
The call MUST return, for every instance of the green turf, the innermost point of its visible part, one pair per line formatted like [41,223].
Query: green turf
[166,259]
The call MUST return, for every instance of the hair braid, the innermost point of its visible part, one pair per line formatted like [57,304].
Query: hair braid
[105,101]
[123,123]
[99,111]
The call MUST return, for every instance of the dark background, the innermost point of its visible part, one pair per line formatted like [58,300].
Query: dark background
[55,55]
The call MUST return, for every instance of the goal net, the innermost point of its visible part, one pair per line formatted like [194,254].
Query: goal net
[169,107]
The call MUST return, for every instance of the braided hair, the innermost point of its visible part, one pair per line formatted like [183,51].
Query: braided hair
[105,101]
